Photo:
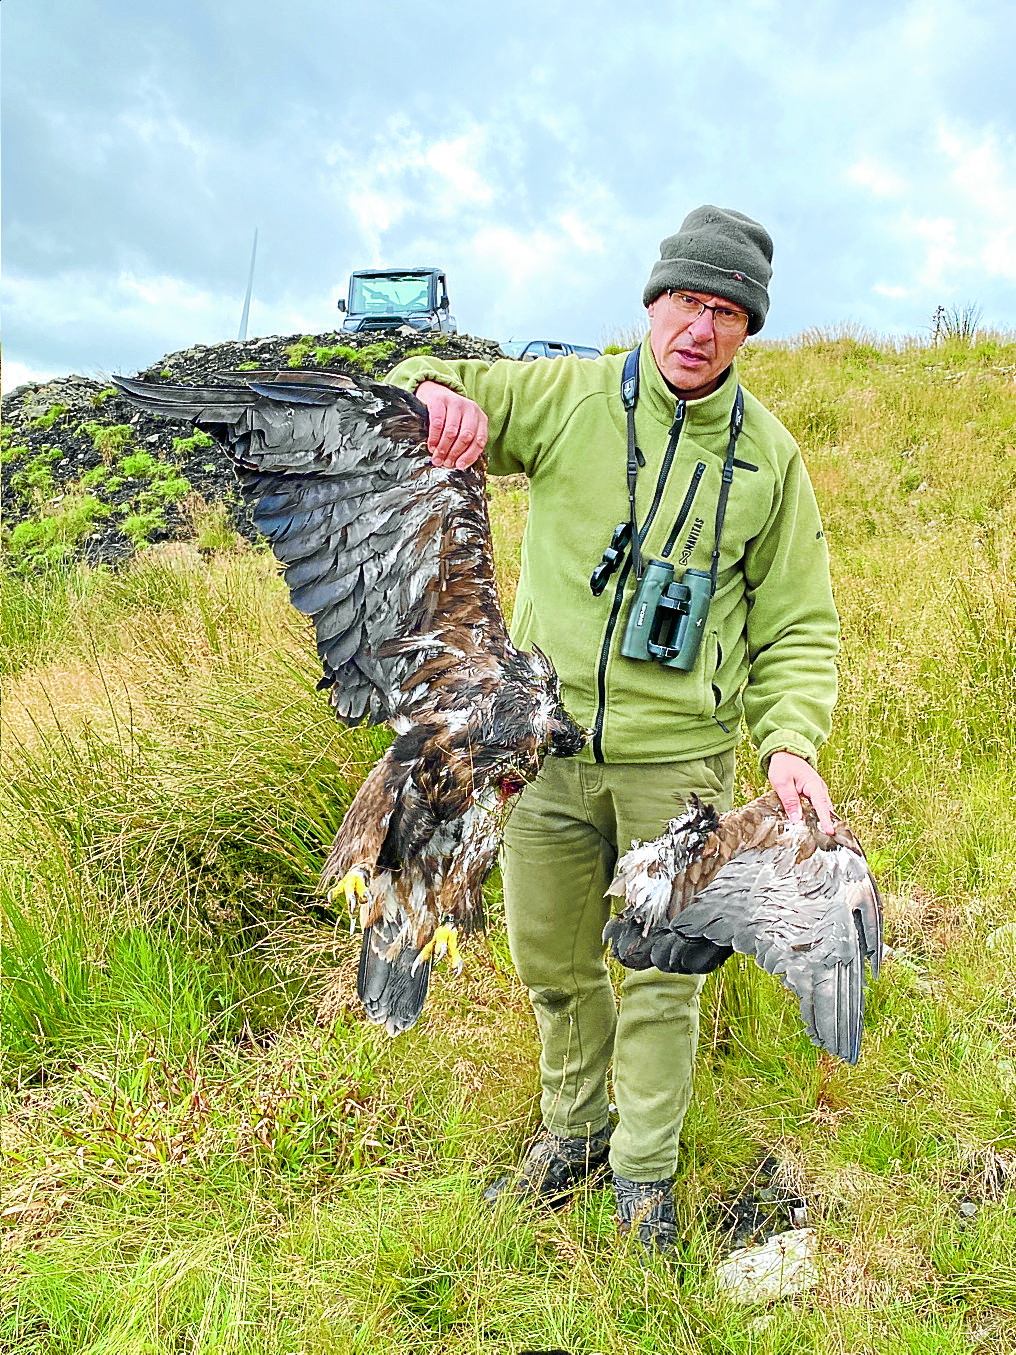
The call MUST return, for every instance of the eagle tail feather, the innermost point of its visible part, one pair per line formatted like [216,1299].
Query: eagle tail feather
[391,992]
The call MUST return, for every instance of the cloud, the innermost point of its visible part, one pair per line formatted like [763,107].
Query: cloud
[455,162]
[972,238]
[883,182]
[20,373]
[405,176]
[126,321]
[947,214]
[936,236]
[983,176]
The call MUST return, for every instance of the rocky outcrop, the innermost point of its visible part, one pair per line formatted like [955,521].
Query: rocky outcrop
[87,476]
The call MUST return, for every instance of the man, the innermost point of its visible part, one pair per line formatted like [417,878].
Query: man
[659,734]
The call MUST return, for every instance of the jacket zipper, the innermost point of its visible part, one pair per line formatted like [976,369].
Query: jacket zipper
[615,609]
[689,499]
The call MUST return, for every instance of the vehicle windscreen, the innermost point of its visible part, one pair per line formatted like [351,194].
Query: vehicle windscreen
[400,294]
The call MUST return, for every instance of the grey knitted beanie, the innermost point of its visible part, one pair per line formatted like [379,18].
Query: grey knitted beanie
[719,252]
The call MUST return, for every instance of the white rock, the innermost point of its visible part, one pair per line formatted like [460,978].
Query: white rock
[783,1265]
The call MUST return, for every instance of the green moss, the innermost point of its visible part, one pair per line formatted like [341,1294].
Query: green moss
[100,397]
[12,453]
[198,438]
[141,527]
[94,477]
[167,487]
[108,439]
[140,466]
[52,537]
[35,482]
[47,420]
[365,358]
[248,366]
[299,352]
[323,355]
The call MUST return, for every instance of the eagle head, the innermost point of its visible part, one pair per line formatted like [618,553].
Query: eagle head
[556,732]
[565,737]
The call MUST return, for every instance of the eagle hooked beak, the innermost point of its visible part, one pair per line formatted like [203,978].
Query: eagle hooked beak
[566,737]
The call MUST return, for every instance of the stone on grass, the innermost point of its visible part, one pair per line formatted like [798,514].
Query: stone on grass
[783,1265]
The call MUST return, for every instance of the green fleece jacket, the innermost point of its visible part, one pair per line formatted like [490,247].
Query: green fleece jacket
[769,649]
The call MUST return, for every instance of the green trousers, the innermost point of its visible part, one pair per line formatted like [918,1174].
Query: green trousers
[562,843]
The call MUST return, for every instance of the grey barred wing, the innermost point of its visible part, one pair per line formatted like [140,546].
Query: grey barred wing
[803,903]
[812,923]
[388,555]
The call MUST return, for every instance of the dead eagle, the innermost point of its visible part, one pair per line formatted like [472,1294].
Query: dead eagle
[391,558]
[802,902]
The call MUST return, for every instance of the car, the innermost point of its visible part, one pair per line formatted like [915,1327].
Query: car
[529,351]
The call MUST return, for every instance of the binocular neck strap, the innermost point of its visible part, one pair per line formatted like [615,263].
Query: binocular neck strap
[629,395]
[736,424]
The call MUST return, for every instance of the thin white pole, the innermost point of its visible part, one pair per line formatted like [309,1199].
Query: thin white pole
[250,287]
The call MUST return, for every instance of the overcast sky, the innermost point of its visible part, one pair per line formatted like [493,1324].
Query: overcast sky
[536,151]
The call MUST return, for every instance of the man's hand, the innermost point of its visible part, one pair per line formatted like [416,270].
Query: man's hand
[458,427]
[791,777]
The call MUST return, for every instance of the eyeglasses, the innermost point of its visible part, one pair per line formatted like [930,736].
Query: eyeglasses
[726,320]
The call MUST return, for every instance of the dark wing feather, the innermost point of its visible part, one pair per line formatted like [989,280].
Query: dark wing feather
[386,553]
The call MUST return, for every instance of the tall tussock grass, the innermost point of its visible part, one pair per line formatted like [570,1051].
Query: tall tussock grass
[208,1149]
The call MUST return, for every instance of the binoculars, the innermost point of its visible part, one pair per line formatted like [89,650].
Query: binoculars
[667,619]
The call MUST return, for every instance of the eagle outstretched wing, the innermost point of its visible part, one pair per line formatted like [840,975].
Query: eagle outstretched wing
[391,558]
[387,554]
[803,903]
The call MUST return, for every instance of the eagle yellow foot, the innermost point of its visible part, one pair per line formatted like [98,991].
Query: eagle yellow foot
[354,886]
[445,941]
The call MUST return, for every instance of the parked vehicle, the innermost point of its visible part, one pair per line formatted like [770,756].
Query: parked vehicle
[546,348]
[384,298]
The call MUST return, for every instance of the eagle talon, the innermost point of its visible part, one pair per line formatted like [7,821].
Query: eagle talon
[443,942]
[353,886]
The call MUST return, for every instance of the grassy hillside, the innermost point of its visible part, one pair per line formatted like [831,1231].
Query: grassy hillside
[208,1150]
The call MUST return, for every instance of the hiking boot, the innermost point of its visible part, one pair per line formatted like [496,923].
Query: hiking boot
[648,1206]
[553,1167]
